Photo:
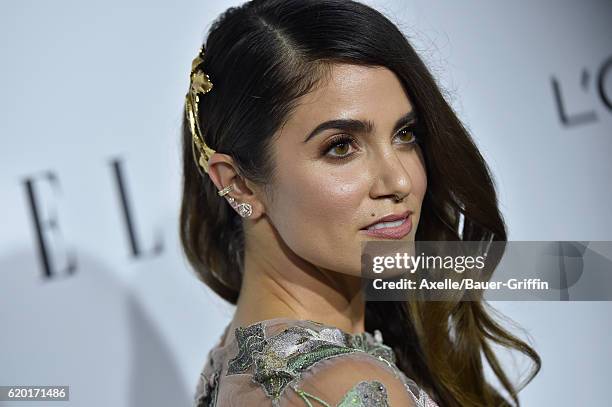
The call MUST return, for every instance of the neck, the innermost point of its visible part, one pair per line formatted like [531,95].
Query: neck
[277,283]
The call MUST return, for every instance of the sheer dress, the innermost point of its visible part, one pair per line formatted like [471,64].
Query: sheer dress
[285,362]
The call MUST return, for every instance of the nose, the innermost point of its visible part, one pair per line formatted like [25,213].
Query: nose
[391,177]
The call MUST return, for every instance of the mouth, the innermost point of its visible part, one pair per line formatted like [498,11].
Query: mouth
[390,227]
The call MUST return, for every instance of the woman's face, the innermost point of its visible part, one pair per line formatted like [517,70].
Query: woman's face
[326,193]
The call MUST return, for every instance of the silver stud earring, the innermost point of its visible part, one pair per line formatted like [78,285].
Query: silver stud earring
[244,209]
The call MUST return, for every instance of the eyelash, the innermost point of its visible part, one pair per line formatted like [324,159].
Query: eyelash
[344,138]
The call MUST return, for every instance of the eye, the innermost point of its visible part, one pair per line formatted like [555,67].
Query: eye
[339,146]
[407,135]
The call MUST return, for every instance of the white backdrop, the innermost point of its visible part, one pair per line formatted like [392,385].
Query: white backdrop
[91,96]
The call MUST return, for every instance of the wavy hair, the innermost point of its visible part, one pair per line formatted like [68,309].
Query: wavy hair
[264,55]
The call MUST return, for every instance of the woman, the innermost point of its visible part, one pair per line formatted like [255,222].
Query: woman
[307,122]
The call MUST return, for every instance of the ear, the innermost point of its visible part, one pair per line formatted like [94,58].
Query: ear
[223,172]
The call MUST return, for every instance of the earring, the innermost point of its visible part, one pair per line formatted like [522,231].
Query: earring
[244,209]
[226,190]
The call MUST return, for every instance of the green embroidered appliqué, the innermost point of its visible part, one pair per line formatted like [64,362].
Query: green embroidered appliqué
[250,340]
[366,394]
[292,351]
[363,394]
[280,359]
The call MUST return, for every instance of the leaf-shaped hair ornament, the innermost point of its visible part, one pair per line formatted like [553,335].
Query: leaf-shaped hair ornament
[200,84]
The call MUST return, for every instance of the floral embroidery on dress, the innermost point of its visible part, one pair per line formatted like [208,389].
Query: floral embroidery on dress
[363,394]
[366,394]
[250,340]
[278,361]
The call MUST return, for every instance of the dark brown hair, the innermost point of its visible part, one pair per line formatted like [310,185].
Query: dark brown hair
[263,56]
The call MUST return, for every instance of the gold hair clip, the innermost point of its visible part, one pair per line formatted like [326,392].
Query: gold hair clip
[200,84]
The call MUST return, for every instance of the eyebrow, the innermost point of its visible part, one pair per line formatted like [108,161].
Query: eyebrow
[358,126]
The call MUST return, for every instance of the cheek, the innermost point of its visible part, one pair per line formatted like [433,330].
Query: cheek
[320,198]
[315,212]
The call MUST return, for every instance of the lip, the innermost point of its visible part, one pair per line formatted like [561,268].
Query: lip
[390,218]
[396,232]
